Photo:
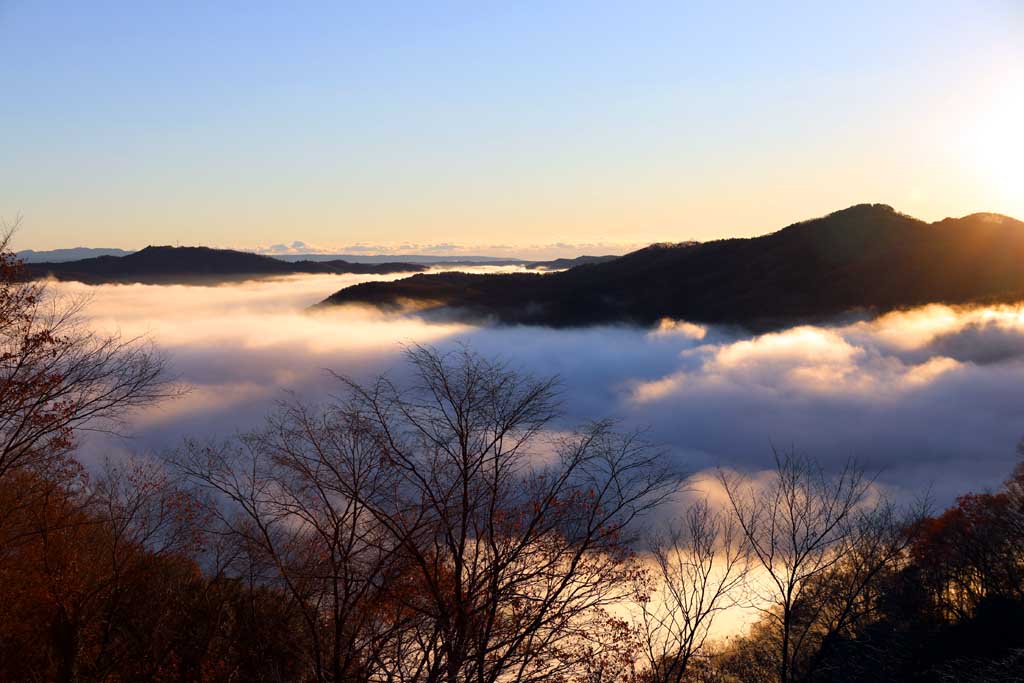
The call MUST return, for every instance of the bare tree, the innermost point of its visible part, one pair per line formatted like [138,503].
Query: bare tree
[701,563]
[438,526]
[517,540]
[836,602]
[57,375]
[798,526]
[1015,494]
[146,518]
[293,499]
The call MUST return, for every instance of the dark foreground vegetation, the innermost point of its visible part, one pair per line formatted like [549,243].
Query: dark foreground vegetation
[865,258]
[436,530]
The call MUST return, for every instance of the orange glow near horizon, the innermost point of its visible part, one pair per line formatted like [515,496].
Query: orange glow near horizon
[992,146]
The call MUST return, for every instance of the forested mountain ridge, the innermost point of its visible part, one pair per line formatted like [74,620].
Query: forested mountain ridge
[867,257]
[173,265]
[167,265]
[70,254]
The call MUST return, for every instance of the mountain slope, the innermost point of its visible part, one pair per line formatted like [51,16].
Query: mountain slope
[72,254]
[867,257]
[197,264]
[563,263]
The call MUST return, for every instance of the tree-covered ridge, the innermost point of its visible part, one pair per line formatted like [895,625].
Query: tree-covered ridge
[864,258]
[170,265]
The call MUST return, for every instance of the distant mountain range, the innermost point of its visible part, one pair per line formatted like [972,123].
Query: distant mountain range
[867,258]
[61,255]
[182,265]
[203,265]
[81,253]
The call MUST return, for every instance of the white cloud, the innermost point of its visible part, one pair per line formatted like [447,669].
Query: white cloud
[930,397]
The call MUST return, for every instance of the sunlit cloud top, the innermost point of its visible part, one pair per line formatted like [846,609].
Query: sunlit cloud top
[926,396]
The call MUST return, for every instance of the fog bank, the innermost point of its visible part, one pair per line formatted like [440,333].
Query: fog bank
[929,397]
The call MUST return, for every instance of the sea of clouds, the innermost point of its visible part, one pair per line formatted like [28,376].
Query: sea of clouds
[931,398]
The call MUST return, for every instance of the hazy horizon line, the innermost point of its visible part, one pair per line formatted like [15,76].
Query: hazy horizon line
[557,249]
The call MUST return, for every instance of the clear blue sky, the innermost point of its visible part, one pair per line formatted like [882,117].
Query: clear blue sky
[523,123]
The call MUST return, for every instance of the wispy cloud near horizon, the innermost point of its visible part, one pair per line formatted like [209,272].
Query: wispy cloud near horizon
[447,249]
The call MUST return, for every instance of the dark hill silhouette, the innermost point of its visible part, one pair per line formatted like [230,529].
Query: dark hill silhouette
[867,257]
[197,264]
[72,254]
[563,263]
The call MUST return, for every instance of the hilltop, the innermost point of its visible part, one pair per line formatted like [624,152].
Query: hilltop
[868,257]
[170,265]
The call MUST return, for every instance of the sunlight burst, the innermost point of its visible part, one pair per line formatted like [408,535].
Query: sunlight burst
[994,146]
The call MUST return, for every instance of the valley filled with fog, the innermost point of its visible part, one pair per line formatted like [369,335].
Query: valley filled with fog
[925,398]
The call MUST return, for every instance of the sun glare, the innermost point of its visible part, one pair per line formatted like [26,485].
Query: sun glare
[994,147]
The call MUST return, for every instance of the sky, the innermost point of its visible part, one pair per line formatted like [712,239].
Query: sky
[496,127]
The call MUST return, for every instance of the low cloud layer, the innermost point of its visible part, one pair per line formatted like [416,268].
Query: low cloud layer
[930,397]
